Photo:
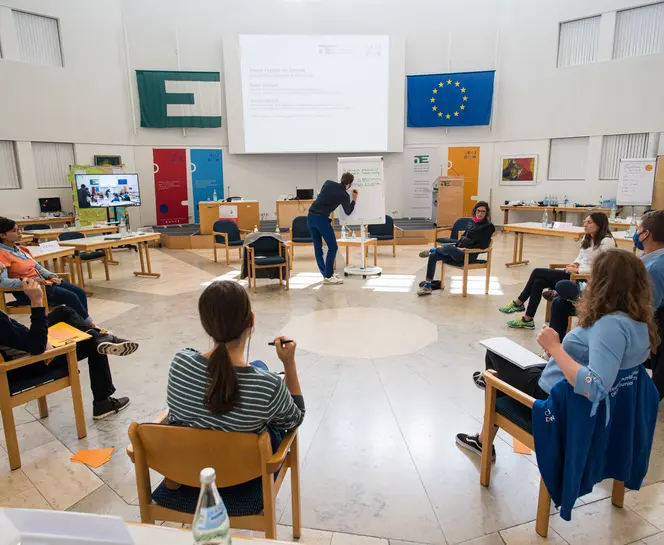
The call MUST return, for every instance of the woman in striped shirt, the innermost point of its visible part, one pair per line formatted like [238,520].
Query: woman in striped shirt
[219,389]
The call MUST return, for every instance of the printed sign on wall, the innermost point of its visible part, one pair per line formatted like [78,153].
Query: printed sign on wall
[207,177]
[170,186]
[422,165]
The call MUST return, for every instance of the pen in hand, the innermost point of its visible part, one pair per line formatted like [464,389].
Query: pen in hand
[271,343]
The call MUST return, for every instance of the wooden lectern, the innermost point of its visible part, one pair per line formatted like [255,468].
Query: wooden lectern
[450,200]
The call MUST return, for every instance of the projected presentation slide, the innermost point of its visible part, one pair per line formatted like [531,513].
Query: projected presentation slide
[107,190]
[314,93]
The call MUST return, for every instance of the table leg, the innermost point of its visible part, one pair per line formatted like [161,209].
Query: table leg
[506,217]
[517,256]
[347,254]
[111,261]
[376,254]
[143,247]
[72,271]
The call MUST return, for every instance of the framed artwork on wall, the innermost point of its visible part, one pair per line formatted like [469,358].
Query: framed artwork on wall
[108,160]
[518,169]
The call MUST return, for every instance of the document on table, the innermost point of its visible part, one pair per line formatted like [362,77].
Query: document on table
[513,352]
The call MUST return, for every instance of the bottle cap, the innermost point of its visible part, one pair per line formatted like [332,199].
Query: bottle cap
[208,475]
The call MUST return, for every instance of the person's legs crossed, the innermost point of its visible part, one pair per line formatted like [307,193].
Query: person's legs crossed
[561,310]
[546,278]
[58,295]
[318,242]
[447,253]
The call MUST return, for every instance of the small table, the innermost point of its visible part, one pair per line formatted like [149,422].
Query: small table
[52,234]
[364,271]
[531,228]
[506,211]
[619,225]
[103,243]
[45,221]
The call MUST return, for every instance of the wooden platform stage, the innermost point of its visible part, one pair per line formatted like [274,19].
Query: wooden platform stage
[413,231]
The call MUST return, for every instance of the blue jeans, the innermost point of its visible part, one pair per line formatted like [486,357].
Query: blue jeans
[449,254]
[321,228]
[64,294]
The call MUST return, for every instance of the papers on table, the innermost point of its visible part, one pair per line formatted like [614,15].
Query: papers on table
[513,352]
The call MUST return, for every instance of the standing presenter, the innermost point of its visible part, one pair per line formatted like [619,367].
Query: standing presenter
[331,195]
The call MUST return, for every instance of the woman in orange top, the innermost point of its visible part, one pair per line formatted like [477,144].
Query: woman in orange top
[19,263]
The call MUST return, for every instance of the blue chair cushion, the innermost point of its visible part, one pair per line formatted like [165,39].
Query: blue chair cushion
[87,256]
[240,500]
[383,237]
[447,240]
[516,412]
[303,239]
[52,374]
[235,243]
[270,260]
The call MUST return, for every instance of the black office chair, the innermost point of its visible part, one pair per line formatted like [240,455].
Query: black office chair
[385,231]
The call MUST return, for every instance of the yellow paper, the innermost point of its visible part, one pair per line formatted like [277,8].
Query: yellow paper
[520,448]
[94,458]
[61,334]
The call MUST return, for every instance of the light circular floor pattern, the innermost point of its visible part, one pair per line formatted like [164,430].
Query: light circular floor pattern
[361,332]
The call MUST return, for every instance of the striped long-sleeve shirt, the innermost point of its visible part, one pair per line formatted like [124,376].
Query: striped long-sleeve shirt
[264,398]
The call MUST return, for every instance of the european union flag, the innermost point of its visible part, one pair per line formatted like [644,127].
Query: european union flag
[450,100]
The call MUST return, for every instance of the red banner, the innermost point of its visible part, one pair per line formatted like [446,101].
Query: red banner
[170,186]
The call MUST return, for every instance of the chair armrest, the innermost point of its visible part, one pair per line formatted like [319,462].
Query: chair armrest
[225,235]
[397,228]
[558,265]
[161,418]
[277,459]
[491,377]
[439,229]
[246,231]
[477,250]
[29,360]
[576,277]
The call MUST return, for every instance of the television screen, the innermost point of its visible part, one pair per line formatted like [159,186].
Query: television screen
[107,190]
[50,204]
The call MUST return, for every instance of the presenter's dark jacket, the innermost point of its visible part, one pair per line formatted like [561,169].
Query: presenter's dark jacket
[478,236]
[331,195]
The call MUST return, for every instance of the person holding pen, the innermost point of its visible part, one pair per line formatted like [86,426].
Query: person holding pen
[331,196]
[19,263]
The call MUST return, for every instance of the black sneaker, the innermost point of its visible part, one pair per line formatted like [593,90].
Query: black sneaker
[111,405]
[110,345]
[478,379]
[473,443]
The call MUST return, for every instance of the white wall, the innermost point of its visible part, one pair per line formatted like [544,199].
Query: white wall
[89,101]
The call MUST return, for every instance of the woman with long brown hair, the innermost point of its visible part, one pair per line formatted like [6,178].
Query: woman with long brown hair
[220,389]
[597,239]
[616,332]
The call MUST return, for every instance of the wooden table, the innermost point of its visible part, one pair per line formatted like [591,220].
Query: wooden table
[248,214]
[562,211]
[619,225]
[57,256]
[624,240]
[25,238]
[52,234]
[46,221]
[148,534]
[348,242]
[506,211]
[532,228]
[91,244]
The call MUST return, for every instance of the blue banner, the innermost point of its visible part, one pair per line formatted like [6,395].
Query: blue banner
[450,100]
[207,177]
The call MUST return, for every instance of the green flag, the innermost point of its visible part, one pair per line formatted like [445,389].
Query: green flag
[179,99]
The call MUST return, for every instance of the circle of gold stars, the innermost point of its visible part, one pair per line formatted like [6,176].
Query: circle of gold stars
[464,99]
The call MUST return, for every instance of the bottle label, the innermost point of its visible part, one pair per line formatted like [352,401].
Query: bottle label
[210,518]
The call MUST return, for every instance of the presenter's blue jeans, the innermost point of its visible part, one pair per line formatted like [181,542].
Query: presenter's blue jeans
[321,229]
[449,254]
[64,294]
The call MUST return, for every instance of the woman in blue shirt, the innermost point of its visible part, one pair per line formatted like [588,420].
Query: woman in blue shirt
[617,331]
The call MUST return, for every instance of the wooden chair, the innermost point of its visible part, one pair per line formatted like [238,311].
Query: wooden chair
[384,232]
[180,453]
[574,277]
[227,234]
[512,413]
[14,307]
[300,235]
[468,266]
[456,232]
[17,393]
[87,257]
[268,253]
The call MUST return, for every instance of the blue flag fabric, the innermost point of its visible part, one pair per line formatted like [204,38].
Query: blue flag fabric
[450,100]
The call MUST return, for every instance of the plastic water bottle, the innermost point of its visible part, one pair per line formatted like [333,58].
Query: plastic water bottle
[211,525]
[614,211]
[255,228]
[545,219]
[632,227]
[277,230]
[77,223]
[601,202]
[344,232]
[546,200]
[565,201]
[214,195]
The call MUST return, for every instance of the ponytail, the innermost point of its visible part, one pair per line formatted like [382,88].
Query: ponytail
[222,390]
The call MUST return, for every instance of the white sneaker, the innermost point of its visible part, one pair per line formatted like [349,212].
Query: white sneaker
[333,280]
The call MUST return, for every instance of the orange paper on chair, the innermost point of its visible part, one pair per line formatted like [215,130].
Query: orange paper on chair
[94,458]
[520,448]
[61,334]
